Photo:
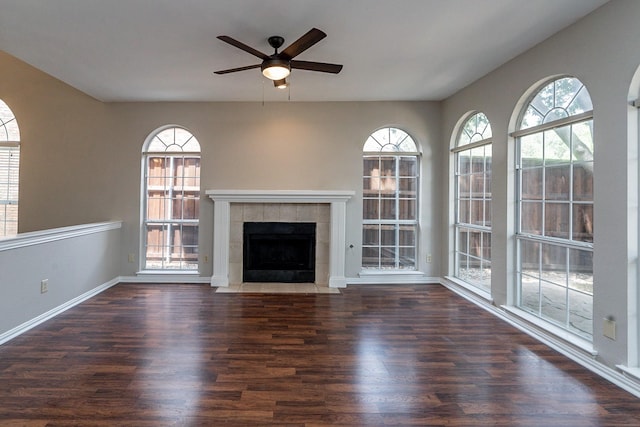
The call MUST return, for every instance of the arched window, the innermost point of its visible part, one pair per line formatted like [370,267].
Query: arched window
[554,181]
[390,201]
[9,171]
[473,202]
[171,164]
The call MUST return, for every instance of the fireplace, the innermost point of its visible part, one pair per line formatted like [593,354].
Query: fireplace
[279,252]
[283,206]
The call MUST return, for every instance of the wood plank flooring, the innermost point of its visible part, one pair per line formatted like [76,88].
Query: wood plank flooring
[183,355]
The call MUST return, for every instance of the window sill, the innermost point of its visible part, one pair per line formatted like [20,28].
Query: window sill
[633,373]
[167,273]
[549,328]
[486,295]
[389,272]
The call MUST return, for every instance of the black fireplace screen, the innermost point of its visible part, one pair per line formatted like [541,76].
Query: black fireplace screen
[279,252]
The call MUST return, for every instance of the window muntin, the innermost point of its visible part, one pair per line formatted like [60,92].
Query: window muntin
[555,165]
[390,200]
[9,171]
[172,201]
[472,244]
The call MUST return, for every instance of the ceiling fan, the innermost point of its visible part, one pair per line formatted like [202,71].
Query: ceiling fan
[277,66]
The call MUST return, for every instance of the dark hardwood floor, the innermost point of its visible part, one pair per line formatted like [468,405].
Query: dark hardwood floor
[183,355]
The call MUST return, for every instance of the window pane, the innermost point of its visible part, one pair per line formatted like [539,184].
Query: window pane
[156,206]
[370,257]
[486,246]
[554,306]
[530,293]
[477,184]
[463,240]
[557,181]
[407,235]
[556,223]
[557,146]
[370,208]
[464,207]
[531,184]
[388,257]
[581,270]
[477,212]
[370,234]
[531,222]
[531,150]
[530,257]
[554,264]
[583,181]
[408,187]
[487,213]
[464,162]
[583,222]
[407,258]
[388,235]
[388,209]
[581,313]
[407,209]
[408,166]
[582,141]
[464,186]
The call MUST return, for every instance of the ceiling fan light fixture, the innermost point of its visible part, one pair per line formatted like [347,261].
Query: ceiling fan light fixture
[281,84]
[276,69]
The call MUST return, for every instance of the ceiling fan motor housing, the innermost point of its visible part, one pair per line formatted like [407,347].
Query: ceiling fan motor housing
[275,42]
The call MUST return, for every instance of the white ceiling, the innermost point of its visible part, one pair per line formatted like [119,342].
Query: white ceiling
[166,50]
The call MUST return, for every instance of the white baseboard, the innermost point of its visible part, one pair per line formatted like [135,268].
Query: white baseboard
[20,329]
[392,278]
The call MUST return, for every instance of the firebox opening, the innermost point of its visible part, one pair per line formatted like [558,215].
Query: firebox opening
[279,252]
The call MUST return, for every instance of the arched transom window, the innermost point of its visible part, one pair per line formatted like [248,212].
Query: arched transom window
[390,200]
[472,185]
[9,171]
[555,159]
[171,163]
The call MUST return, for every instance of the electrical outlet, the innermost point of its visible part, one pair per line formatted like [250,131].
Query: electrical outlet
[44,286]
[609,328]
[132,257]
[429,258]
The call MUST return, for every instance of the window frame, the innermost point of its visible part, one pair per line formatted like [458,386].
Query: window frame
[398,151]
[478,139]
[9,176]
[567,246]
[170,153]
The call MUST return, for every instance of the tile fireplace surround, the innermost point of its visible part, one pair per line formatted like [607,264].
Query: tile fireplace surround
[326,208]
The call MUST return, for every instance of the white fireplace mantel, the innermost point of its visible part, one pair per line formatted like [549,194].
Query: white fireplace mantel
[222,221]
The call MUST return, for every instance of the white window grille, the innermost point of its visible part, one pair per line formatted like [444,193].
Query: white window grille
[390,201]
[472,185]
[554,173]
[171,164]
[9,171]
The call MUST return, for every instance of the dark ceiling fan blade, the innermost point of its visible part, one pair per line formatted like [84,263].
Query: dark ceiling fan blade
[240,45]
[312,37]
[233,70]
[317,66]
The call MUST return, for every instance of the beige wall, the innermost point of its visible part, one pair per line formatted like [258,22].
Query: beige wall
[81,157]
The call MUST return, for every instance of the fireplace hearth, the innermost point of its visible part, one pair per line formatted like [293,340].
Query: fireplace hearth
[279,252]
